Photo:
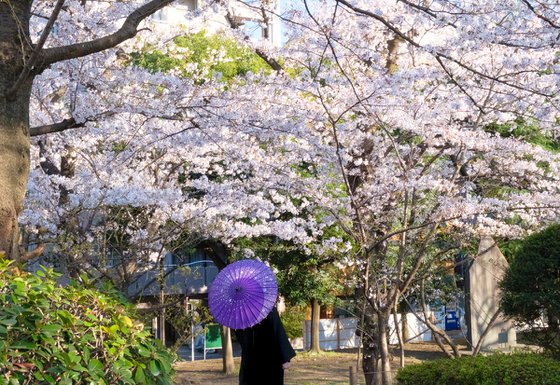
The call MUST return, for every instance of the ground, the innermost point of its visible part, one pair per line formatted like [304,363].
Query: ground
[330,368]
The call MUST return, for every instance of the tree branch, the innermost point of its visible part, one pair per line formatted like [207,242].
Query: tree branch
[29,255]
[436,54]
[273,63]
[543,18]
[491,323]
[234,23]
[128,30]
[66,124]
[10,94]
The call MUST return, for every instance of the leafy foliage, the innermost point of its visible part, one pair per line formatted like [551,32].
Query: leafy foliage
[510,248]
[292,319]
[301,276]
[497,369]
[202,57]
[72,335]
[529,132]
[531,286]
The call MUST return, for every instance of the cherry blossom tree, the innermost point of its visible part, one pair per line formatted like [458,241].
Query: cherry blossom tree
[390,102]
[22,59]
[407,91]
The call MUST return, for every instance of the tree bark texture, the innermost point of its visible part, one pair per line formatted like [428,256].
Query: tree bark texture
[399,332]
[384,353]
[228,365]
[15,46]
[17,72]
[315,318]
[371,359]
[376,361]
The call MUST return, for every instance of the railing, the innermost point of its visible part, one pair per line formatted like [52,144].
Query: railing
[186,279]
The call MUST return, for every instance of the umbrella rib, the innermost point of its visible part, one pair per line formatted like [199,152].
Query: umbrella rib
[254,316]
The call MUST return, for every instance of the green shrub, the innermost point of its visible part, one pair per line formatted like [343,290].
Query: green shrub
[497,369]
[72,335]
[211,54]
[292,319]
[530,287]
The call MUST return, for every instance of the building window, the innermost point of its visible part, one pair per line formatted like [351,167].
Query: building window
[191,5]
[162,15]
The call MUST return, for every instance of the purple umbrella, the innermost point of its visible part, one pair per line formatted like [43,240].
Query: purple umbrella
[243,294]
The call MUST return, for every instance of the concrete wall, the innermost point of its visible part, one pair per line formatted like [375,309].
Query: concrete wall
[483,297]
[340,333]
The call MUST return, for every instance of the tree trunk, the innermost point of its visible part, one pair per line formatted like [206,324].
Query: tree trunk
[228,365]
[371,360]
[14,121]
[399,331]
[384,354]
[377,357]
[218,253]
[404,330]
[315,318]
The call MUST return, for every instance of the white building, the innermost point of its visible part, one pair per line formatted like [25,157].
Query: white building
[248,15]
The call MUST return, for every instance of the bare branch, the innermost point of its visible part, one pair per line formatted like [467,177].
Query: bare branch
[543,18]
[29,255]
[426,10]
[66,124]
[436,54]
[273,63]
[491,323]
[234,23]
[389,26]
[10,94]
[128,30]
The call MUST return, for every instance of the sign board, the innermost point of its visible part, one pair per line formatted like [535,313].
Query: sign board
[213,337]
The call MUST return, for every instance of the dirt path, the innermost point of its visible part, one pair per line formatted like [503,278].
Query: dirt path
[330,368]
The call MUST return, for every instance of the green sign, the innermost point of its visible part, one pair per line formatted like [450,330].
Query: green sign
[213,336]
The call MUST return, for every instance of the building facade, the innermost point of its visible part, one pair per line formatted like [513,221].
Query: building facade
[257,23]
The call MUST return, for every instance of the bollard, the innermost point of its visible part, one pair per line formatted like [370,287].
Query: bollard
[353,376]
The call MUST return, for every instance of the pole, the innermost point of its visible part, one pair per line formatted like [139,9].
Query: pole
[192,341]
[204,331]
[353,376]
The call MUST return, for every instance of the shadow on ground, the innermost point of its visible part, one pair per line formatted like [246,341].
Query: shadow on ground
[329,368]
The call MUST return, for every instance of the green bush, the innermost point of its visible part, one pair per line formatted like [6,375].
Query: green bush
[530,287]
[292,319]
[72,335]
[211,54]
[497,369]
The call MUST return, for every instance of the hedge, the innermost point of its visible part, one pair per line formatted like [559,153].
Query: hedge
[72,335]
[496,369]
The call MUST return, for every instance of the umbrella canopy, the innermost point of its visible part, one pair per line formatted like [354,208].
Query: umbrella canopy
[242,294]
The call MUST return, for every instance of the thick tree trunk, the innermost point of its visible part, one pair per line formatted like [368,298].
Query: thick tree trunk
[315,318]
[371,359]
[404,330]
[377,357]
[14,121]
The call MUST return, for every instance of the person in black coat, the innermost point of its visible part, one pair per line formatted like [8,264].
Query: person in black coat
[265,352]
